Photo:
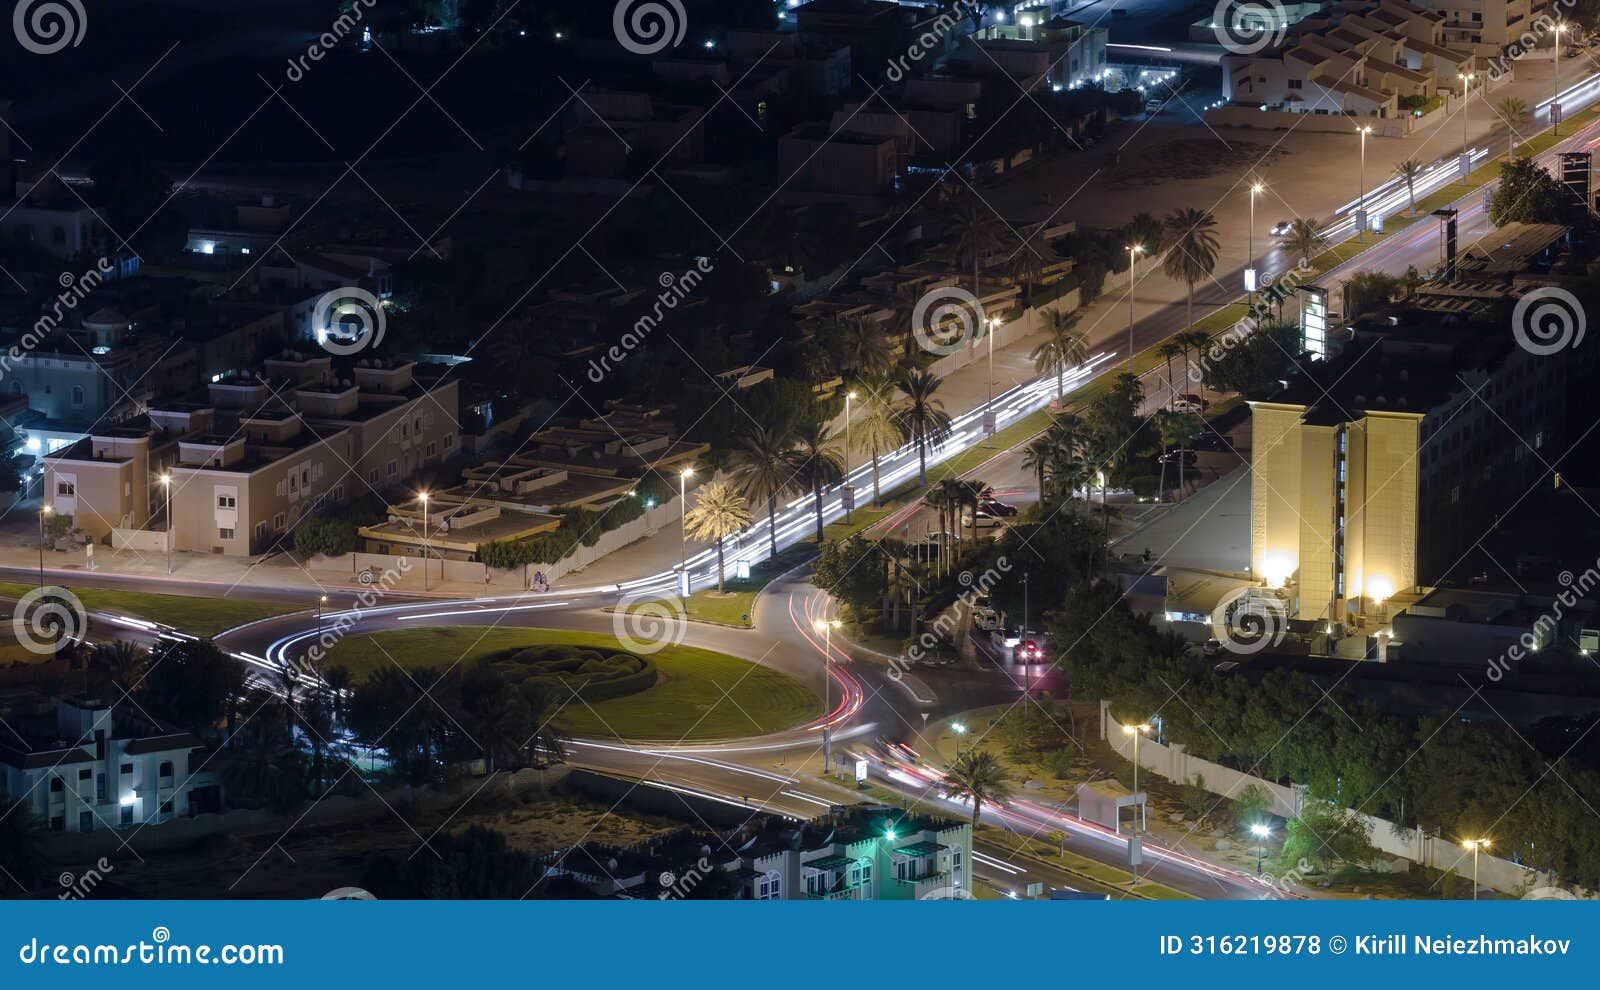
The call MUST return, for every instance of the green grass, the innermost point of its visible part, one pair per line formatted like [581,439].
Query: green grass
[196,616]
[737,605]
[687,702]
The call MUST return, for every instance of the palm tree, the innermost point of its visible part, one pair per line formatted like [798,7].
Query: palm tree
[761,468]
[1063,347]
[923,415]
[501,725]
[977,234]
[1037,457]
[952,494]
[1511,110]
[979,776]
[1168,350]
[815,461]
[1029,261]
[719,512]
[973,494]
[1198,340]
[881,429]
[1192,249]
[1306,238]
[1409,171]
[121,663]
[859,345]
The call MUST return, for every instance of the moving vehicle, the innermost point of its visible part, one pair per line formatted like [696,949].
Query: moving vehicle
[986,619]
[1282,227]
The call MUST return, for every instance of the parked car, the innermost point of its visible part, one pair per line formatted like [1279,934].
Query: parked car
[1152,106]
[1209,440]
[1193,399]
[1185,406]
[1212,647]
[1226,666]
[986,619]
[995,507]
[1188,457]
[985,520]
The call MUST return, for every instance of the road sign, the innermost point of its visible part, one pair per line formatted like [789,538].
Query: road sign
[988,422]
[1555,112]
[861,771]
[847,496]
[1135,850]
[1249,280]
[1463,166]
[1361,221]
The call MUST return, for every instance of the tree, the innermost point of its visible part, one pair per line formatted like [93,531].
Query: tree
[816,462]
[1325,835]
[1028,264]
[187,684]
[121,663]
[330,536]
[881,428]
[1037,457]
[977,234]
[1305,238]
[859,345]
[1063,347]
[980,777]
[1190,238]
[762,469]
[1409,171]
[1113,416]
[1168,350]
[20,858]
[1527,194]
[923,414]
[1257,362]
[1512,110]
[719,512]
[1367,291]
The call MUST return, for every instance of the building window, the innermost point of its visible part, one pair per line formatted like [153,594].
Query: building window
[449,440]
[770,887]
[261,530]
[432,448]
[86,821]
[57,785]
[85,775]
[278,521]
[77,397]
[165,769]
[67,488]
[227,502]
[166,807]
[1296,83]
[126,768]
[224,533]
[392,469]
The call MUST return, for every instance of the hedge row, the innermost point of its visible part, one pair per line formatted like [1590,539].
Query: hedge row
[592,675]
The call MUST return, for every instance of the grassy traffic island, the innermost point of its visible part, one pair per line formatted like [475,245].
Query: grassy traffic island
[197,616]
[677,693]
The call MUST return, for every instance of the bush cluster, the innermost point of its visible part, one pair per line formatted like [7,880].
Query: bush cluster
[593,675]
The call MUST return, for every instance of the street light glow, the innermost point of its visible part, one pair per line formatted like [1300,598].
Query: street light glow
[1260,831]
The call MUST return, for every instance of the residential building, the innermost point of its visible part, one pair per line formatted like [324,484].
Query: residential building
[256,227]
[878,33]
[80,764]
[1373,472]
[607,129]
[819,159]
[852,853]
[257,456]
[1059,52]
[1484,27]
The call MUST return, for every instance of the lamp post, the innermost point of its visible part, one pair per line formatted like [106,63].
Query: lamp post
[1260,832]
[847,397]
[1466,94]
[1027,667]
[1555,97]
[1136,731]
[1476,846]
[825,626]
[1250,241]
[988,409]
[322,606]
[44,510]
[1361,199]
[683,533]
[960,730]
[166,485]
[1133,252]
[426,550]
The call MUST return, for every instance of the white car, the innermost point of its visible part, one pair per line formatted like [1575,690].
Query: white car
[985,520]
[1282,227]
[1187,406]
[986,619]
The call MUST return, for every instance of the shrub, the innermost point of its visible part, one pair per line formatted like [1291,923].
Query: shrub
[330,536]
[562,671]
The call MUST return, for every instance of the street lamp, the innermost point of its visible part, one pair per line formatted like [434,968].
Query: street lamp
[1250,241]
[1136,731]
[826,626]
[1476,846]
[1555,99]
[166,484]
[1134,250]
[847,397]
[1260,832]
[1361,200]
[426,550]
[683,533]
[1466,94]
[44,510]
[960,730]
[988,409]
[322,606]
